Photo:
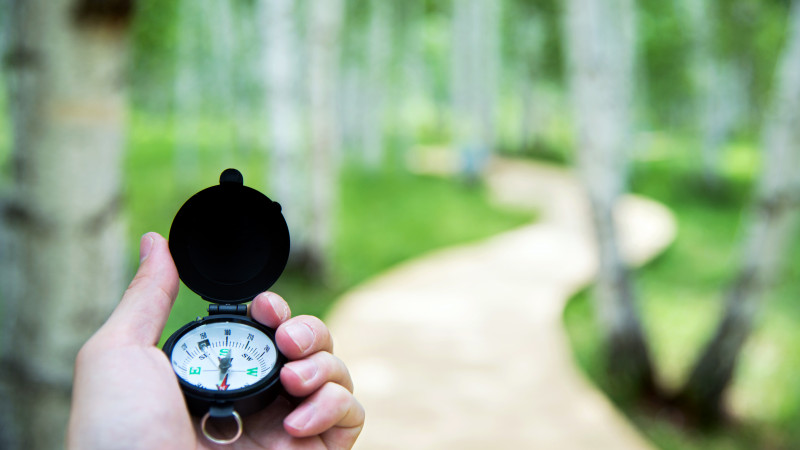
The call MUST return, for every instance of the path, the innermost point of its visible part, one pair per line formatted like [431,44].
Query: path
[464,348]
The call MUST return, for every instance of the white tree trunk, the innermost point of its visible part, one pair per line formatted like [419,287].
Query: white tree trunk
[324,38]
[187,101]
[64,271]
[289,162]
[722,109]
[529,35]
[208,72]
[718,88]
[220,61]
[379,46]
[600,51]
[410,85]
[352,108]
[474,72]
[770,233]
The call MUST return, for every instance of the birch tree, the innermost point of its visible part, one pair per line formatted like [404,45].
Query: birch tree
[600,54]
[772,226]
[289,172]
[187,85]
[379,49]
[474,75]
[718,87]
[63,272]
[324,32]
[526,34]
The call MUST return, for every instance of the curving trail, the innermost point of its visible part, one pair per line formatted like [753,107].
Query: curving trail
[464,348]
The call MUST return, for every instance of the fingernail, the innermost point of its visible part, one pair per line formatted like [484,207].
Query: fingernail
[300,418]
[304,369]
[301,334]
[280,307]
[145,246]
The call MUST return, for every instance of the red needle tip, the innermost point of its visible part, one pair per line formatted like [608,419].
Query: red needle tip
[224,385]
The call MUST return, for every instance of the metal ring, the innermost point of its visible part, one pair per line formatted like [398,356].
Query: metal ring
[208,436]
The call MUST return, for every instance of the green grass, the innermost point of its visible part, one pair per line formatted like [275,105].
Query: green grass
[680,300]
[383,218]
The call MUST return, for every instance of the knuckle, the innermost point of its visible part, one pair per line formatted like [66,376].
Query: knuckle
[338,392]
[335,369]
[88,350]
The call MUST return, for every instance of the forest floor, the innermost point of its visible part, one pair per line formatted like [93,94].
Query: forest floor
[465,347]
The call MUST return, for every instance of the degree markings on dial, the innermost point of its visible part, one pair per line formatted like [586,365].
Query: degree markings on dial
[250,364]
[263,363]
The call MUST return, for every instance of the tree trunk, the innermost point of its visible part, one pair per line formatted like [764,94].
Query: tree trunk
[474,71]
[718,88]
[722,110]
[529,34]
[408,86]
[379,46]
[186,164]
[289,172]
[64,271]
[600,50]
[770,232]
[324,28]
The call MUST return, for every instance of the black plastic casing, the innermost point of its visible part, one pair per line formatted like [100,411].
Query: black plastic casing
[229,243]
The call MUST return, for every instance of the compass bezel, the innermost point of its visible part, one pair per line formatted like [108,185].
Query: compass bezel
[245,400]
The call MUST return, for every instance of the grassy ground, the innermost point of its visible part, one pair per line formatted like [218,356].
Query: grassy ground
[383,218]
[680,298]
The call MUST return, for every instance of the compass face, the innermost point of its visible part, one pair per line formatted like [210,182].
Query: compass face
[223,356]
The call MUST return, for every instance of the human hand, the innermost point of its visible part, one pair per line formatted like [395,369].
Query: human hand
[126,395]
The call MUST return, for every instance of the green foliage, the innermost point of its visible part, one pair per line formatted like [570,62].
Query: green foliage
[154,41]
[752,32]
[749,33]
[531,33]
[664,44]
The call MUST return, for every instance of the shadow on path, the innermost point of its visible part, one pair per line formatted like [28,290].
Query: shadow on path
[465,348]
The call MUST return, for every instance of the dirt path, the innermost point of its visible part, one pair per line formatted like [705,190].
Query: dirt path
[464,348]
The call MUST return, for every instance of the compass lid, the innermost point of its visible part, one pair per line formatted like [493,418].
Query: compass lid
[229,242]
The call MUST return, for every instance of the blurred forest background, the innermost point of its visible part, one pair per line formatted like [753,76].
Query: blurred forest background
[116,112]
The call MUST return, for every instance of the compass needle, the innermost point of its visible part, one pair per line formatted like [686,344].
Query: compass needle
[198,376]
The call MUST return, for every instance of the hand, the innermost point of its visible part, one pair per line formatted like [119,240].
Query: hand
[126,394]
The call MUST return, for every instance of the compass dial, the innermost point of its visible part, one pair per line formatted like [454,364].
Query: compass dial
[222,356]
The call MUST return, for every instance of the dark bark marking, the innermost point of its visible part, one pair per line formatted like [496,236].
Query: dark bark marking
[17,215]
[701,398]
[21,57]
[118,13]
[778,203]
[98,221]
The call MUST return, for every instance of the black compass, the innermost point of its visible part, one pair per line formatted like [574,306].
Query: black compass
[229,243]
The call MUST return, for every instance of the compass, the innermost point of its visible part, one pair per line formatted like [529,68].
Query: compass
[229,243]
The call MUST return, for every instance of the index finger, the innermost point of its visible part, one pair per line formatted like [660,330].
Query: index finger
[270,309]
[297,337]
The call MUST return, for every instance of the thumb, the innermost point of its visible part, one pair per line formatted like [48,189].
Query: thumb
[141,314]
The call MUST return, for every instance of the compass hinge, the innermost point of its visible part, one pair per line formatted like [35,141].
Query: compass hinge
[227,309]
